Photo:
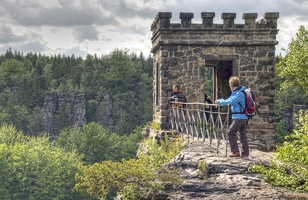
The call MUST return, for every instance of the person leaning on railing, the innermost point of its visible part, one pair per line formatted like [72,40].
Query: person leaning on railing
[176,97]
[237,102]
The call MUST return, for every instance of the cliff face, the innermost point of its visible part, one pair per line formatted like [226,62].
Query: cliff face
[73,103]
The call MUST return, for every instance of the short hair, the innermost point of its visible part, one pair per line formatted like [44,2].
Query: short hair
[234,81]
[177,86]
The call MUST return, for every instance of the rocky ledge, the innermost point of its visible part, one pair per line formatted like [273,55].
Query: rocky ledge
[228,177]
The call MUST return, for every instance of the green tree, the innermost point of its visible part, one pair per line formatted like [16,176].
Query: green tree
[122,80]
[289,168]
[130,178]
[6,172]
[88,85]
[15,115]
[61,119]
[91,142]
[122,73]
[36,122]
[38,88]
[33,168]
[125,79]
[129,145]
[10,136]
[291,84]
[96,144]
[145,97]
[10,71]
[293,67]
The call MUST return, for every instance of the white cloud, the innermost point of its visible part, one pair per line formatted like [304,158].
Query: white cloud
[288,27]
[100,26]
[76,50]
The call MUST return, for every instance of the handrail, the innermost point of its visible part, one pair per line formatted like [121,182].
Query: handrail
[208,121]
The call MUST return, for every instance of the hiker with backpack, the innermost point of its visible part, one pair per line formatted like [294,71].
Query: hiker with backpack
[237,101]
[176,97]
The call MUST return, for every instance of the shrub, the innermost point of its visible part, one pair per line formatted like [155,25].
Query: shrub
[289,169]
[203,169]
[163,150]
[131,179]
[33,168]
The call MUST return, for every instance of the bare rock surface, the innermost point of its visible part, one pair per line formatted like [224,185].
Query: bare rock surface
[228,177]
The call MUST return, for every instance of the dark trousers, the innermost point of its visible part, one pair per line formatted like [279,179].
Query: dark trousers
[238,125]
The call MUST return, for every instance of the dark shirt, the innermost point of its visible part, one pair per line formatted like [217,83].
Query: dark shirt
[177,96]
[208,100]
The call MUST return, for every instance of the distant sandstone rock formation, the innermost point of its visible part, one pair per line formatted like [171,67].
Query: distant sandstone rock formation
[74,104]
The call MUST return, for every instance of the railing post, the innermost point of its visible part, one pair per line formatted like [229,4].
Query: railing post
[193,119]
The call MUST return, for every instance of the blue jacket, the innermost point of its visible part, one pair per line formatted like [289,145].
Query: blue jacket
[237,97]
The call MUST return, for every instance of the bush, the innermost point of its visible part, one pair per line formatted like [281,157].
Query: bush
[33,168]
[289,169]
[97,144]
[133,178]
[163,150]
[130,178]
[203,169]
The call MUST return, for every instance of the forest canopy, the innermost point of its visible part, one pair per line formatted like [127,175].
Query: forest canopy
[125,79]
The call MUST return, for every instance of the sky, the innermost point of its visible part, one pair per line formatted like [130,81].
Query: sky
[81,27]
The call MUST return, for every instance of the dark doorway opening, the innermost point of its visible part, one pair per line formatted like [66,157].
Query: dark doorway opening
[216,79]
[223,73]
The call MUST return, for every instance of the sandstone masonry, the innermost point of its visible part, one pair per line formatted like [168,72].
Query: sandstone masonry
[183,51]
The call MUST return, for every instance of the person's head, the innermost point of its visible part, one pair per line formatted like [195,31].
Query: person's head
[176,88]
[234,82]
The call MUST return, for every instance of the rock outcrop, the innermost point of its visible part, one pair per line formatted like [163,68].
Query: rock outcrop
[75,106]
[228,177]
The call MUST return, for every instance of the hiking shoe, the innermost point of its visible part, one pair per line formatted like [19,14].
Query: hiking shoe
[235,154]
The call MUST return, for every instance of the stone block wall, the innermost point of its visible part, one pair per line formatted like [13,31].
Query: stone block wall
[181,51]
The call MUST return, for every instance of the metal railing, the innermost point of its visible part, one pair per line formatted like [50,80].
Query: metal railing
[209,122]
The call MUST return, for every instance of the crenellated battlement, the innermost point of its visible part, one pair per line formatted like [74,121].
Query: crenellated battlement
[162,21]
[252,32]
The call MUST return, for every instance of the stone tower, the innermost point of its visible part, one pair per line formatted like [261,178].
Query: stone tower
[201,58]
